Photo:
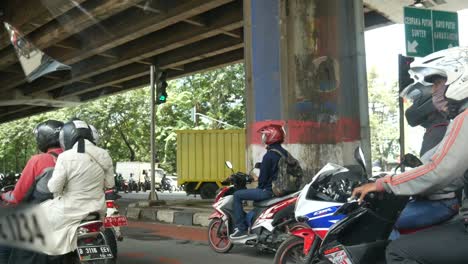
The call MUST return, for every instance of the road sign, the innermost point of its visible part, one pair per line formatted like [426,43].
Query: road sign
[428,30]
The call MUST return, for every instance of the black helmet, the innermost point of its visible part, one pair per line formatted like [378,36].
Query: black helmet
[47,134]
[422,108]
[75,131]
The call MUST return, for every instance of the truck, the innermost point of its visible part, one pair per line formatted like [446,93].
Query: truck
[139,170]
[201,156]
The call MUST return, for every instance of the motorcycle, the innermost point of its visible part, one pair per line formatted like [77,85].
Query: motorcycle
[362,235]
[303,244]
[93,245]
[269,220]
[113,221]
[316,206]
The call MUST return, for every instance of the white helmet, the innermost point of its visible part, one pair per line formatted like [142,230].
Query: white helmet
[451,64]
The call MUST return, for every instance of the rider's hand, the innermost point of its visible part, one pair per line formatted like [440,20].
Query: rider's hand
[363,190]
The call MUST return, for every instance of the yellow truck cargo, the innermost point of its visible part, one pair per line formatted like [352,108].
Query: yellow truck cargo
[201,156]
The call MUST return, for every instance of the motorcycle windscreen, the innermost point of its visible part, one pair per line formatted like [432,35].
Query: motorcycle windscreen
[35,63]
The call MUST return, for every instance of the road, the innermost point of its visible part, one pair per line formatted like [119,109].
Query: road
[170,244]
[154,243]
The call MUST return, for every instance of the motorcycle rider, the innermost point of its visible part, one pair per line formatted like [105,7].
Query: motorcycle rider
[447,72]
[47,140]
[423,211]
[81,174]
[272,137]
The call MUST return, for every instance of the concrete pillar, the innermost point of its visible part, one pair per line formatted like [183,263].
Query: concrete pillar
[305,69]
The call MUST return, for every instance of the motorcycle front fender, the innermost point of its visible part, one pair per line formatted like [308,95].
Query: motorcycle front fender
[308,235]
[215,214]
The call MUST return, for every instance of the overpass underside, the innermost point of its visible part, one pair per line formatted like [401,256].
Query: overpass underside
[109,45]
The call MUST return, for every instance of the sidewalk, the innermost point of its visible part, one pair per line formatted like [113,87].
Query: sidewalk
[188,213]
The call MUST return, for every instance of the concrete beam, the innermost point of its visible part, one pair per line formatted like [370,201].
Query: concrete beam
[147,47]
[76,21]
[221,60]
[140,48]
[32,14]
[172,59]
[17,98]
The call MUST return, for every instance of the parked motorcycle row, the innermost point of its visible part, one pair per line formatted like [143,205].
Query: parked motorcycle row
[129,186]
[97,237]
[318,223]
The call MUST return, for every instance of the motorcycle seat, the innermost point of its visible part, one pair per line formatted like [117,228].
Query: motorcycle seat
[91,217]
[270,202]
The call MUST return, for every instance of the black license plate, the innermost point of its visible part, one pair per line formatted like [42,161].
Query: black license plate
[94,252]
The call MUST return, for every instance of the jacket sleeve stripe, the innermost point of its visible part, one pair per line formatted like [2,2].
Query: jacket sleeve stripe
[437,158]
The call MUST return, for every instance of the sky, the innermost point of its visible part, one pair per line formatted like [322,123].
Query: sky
[382,55]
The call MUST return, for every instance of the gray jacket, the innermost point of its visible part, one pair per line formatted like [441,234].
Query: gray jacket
[442,172]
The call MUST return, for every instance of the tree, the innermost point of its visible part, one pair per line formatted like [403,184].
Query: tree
[384,119]
[123,120]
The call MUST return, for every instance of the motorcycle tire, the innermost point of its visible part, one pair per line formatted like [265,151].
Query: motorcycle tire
[214,238]
[111,242]
[291,251]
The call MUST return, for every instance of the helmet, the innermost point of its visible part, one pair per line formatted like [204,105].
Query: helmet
[47,134]
[450,64]
[75,131]
[422,107]
[272,134]
[95,134]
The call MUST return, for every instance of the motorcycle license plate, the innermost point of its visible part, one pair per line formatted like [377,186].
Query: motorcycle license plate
[87,253]
[115,221]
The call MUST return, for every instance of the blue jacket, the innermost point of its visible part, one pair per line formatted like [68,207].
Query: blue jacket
[269,167]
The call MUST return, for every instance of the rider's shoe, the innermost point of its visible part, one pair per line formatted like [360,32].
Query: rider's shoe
[238,234]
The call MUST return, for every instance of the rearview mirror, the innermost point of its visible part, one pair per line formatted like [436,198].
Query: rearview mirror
[228,164]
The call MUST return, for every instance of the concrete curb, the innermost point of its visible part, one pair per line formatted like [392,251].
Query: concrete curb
[176,215]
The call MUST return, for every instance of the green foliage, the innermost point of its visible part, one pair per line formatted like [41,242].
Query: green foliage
[384,119]
[123,120]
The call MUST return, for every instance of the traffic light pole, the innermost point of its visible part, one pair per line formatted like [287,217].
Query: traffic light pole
[153,195]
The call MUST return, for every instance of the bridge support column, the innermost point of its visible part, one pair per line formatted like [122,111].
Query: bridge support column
[305,69]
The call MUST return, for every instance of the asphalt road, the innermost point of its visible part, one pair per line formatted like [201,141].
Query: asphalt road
[147,242]
[171,244]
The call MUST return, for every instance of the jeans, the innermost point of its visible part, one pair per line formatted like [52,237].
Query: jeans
[444,244]
[424,213]
[250,195]
[4,254]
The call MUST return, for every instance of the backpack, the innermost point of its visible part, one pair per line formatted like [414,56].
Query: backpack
[289,177]
[39,192]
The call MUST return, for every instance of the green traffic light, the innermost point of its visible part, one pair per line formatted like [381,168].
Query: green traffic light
[162,98]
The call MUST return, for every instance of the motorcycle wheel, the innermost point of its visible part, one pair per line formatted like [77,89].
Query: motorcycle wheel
[290,251]
[218,236]
[111,242]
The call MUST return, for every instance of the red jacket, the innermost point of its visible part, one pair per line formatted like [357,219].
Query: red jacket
[35,167]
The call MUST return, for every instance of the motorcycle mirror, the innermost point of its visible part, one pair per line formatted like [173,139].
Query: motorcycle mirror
[359,157]
[228,164]
[257,165]
[410,160]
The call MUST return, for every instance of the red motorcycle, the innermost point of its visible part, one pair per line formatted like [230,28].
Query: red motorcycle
[270,220]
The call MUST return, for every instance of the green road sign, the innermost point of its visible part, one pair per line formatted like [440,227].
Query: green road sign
[444,30]
[428,30]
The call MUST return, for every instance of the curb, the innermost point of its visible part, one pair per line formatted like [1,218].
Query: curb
[177,216]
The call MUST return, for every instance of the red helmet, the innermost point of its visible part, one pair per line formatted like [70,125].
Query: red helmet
[272,134]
